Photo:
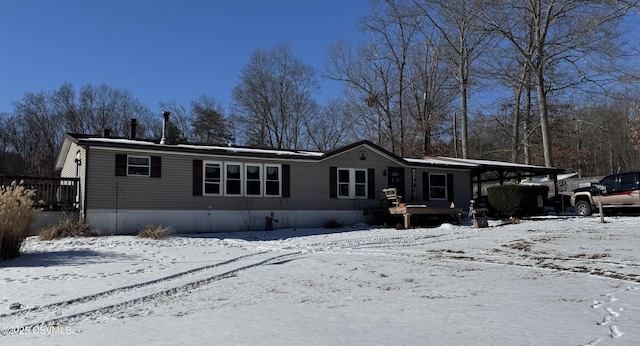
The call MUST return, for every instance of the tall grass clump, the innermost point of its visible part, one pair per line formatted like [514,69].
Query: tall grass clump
[154,232]
[16,217]
[67,228]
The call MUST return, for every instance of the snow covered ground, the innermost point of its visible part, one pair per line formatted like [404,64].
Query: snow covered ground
[546,281]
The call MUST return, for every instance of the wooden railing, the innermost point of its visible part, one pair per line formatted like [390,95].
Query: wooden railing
[50,193]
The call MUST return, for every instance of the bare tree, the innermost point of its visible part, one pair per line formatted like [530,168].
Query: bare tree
[553,37]
[398,77]
[274,98]
[457,23]
[105,107]
[33,132]
[331,127]
[430,92]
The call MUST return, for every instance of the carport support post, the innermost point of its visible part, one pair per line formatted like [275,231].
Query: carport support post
[555,191]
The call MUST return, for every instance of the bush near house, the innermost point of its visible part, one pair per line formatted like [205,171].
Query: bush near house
[67,228]
[517,200]
[154,232]
[16,217]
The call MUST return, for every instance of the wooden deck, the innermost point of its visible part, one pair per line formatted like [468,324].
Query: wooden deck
[407,211]
[50,193]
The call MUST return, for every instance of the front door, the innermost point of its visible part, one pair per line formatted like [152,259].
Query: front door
[396,179]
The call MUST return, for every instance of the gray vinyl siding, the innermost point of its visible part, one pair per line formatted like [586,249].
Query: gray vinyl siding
[309,183]
[462,192]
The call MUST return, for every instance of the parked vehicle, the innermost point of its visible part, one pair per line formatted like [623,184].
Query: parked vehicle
[615,191]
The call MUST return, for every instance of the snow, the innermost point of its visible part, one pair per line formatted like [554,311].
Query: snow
[554,280]
[230,149]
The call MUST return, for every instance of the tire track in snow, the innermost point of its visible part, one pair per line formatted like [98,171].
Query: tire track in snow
[596,272]
[118,290]
[378,242]
[48,310]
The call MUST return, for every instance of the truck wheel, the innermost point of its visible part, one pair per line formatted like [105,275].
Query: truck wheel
[583,208]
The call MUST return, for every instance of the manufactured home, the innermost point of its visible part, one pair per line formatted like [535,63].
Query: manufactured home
[126,183]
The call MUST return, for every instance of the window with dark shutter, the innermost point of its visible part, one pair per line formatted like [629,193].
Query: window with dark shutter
[197,177]
[425,186]
[286,181]
[450,187]
[156,166]
[333,182]
[371,181]
[121,165]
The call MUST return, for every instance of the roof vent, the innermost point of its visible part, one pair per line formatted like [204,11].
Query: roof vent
[106,133]
[165,125]
[132,128]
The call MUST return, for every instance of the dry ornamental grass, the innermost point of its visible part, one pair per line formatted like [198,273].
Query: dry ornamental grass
[154,232]
[16,217]
[67,228]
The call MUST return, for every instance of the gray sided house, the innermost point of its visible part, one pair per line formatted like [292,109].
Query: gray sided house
[126,184]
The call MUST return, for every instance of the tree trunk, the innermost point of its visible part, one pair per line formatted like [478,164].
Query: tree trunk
[544,120]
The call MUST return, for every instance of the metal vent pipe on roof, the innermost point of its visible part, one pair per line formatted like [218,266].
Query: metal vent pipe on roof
[106,133]
[133,124]
[165,125]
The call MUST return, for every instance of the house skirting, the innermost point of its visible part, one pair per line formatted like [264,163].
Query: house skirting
[110,222]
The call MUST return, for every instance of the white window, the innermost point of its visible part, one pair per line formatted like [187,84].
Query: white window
[253,179]
[212,178]
[272,179]
[352,183]
[233,179]
[241,179]
[138,165]
[437,186]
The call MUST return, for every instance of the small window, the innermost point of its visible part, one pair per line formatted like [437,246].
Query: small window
[212,178]
[438,186]
[253,180]
[138,165]
[272,180]
[233,179]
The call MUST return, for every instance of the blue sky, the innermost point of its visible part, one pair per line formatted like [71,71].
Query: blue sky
[161,50]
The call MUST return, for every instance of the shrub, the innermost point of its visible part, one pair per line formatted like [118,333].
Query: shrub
[16,217]
[154,232]
[516,200]
[333,224]
[67,228]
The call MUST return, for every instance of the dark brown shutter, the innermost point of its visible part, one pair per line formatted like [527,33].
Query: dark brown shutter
[425,186]
[450,187]
[156,166]
[286,181]
[197,177]
[121,165]
[371,181]
[333,182]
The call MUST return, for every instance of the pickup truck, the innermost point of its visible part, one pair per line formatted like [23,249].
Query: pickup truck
[620,190]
